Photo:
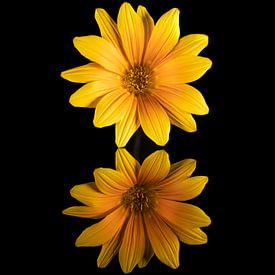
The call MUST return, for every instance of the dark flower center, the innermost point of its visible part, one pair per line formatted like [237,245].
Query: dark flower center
[138,198]
[137,80]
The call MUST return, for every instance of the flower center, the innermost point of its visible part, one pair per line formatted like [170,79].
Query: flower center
[138,198]
[137,80]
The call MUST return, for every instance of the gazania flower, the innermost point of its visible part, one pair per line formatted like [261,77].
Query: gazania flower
[138,74]
[141,210]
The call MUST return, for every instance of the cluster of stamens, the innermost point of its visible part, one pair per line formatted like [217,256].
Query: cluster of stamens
[137,80]
[138,198]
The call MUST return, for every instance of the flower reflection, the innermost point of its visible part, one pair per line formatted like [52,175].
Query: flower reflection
[138,74]
[141,210]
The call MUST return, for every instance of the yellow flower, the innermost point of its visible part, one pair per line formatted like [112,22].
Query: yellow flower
[142,211]
[138,74]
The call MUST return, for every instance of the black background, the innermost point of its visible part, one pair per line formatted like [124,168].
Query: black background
[65,148]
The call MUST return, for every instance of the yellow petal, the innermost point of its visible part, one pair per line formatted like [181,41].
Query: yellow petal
[163,240]
[164,37]
[184,168]
[133,244]
[108,28]
[131,31]
[191,235]
[103,231]
[112,108]
[102,52]
[91,212]
[154,120]
[127,126]
[182,214]
[183,120]
[91,92]
[154,168]
[180,189]
[148,253]
[89,194]
[182,97]
[127,165]
[182,69]
[109,250]
[148,23]
[191,44]
[111,182]
[88,73]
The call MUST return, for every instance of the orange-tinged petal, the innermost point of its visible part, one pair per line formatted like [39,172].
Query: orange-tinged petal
[148,253]
[148,23]
[127,164]
[154,120]
[89,72]
[109,250]
[131,31]
[191,235]
[102,52]
[91,212]
[181,69]
[191,44]
[182,97]
[91,92]
[183,120]
[133,243]
[89,194]
[164,37]
[154,168]
[163,240]
[112,107]
[182,214]
[183,168]
[103,231]
[179,189]
[108,28]
[111,182]
[127,126]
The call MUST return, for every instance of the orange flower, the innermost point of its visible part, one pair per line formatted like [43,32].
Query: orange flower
[138,74]
[141,210]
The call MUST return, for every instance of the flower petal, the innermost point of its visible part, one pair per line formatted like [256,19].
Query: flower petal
[109,250]
[183,168]
[126,164]
[148,23]
[164,37]
[179,189]
[112,108]
[131,31]
[127,126]
[154,168]
[163,240]
[191,44]
[181,214]
[182,69]
[89,72]
[108,28]
[111,182]
[88,194]
[191,236]
[102,52]
[183,120]
[148,253]
[154,120]
[105,230]
[90,211]
[91,92]
[133,244]
[182,97]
